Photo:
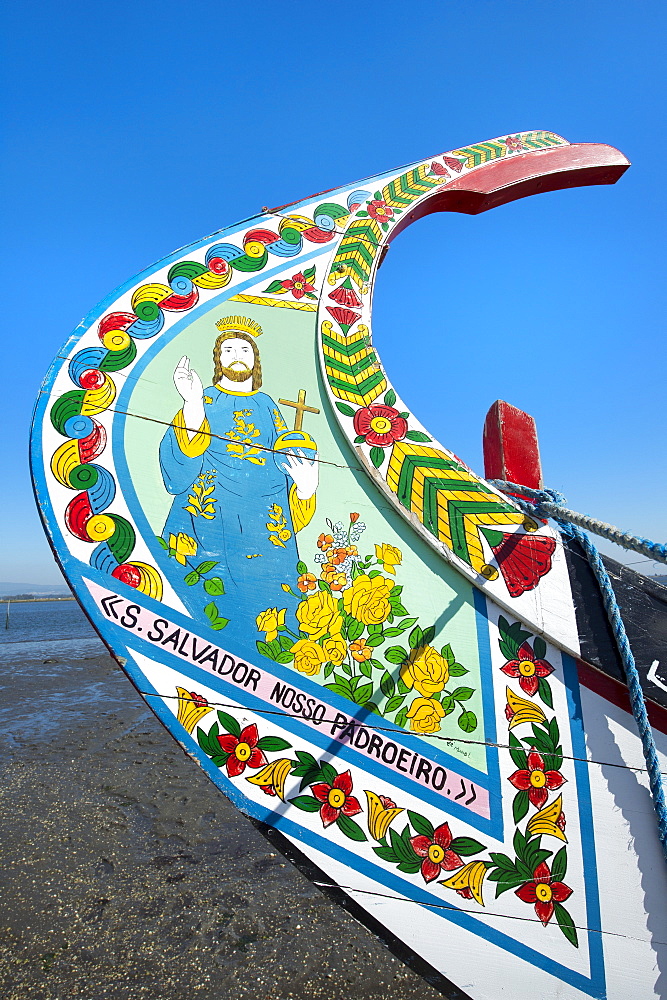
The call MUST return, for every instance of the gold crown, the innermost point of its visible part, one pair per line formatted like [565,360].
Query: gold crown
[240,323]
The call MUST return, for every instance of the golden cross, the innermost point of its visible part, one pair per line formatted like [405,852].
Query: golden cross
[300,407]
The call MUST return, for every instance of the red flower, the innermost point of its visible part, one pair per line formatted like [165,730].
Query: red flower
[514,142]
[436,853]
[536,781]
[543,892]
[380,210]
[522,559]
[336,798]
[380,425]
[297,285]
[528,668]
[243,752]
[199,699]
[440,171]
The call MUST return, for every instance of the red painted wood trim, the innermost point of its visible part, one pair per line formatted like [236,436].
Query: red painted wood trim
[511,451]
[507,179]
[617,693]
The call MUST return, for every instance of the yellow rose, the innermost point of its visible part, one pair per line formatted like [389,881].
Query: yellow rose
[335,649]
[389,556]
[425,715]
[270,621]
[308,656]
[184,545]
[367,599]
[428,672]
[319,614]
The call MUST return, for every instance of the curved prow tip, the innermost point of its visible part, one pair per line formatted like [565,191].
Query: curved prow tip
[511,451]
[510,178]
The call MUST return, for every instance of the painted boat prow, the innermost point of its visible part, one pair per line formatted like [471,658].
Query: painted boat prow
[372,651]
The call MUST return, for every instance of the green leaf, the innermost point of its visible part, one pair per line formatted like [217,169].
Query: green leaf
[301,567]
[417,436]
[390,397]
[211,611]
[544,691]
[448,703]
[386,853]
[393,704]
[520,805]
[286,656]
[539,647]
[359,439]
[387,685]
[265,649]
[286,641]
[363,693]
[401,718]
[162,542]
[423,826]
[462,694]
[273,744]
[377,456]
[351,829]
[447,654]
[410,867]
[402,686]
[374,640]
[328,772]
[518,754]
[192,578]
[467,722]
[457,670]
[215,587]
[366,668]
[206,567]
[219,623]
[428,636]
[376,665]
[566,924]
[402,846]
[275,286]
[230,724]
[309,274]
[520,844]
[345,409]
[466,846]
[323,585]
[306,802]
[219,759]
[354,629]
[328,669]
[416,638]
[559,865]
[396,654]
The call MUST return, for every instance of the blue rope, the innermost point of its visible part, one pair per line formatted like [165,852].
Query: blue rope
[546,500]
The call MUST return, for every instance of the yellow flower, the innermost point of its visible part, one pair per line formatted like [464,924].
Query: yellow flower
[270,621]
[389,556]
[308,657]
[272,777]
[191,708]
[381,811]
[360,651]
[367,599]
[319,614]
[520,710]
[467,881]
[184,545]
[428,672]
[546,821]
[335,649]
[425,715]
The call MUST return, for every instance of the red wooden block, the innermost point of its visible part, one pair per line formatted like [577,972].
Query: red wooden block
[511,451]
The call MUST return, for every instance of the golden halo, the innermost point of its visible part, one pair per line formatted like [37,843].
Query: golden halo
[240,323]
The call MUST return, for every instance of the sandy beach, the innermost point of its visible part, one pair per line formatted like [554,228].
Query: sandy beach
[126,875]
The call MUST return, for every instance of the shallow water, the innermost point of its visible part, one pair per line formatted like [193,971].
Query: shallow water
[47,629]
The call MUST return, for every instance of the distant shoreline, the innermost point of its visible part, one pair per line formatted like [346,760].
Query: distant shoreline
[23,599]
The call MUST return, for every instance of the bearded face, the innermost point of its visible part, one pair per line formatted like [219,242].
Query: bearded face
[237,359]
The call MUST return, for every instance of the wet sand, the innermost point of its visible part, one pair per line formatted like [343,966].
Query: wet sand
[126,875]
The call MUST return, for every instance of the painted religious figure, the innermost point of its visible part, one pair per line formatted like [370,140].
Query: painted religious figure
[239,496]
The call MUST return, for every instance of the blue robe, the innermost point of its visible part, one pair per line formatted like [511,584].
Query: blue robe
[232,499]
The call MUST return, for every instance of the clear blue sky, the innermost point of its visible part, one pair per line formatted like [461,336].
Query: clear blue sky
[131,129]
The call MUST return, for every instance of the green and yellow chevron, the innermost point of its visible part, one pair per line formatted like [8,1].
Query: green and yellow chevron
[403,190]
[358,249]
[484,152]
[352,368]
[449,500]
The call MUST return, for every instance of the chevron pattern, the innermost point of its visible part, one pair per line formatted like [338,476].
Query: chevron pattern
[351,365]
[484,152]
[358,249]
[403,190]
[449,500]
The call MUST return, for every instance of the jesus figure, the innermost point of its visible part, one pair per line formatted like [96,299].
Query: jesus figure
[238,502]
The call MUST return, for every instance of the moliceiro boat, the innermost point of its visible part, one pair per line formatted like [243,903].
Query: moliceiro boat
[401,671]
